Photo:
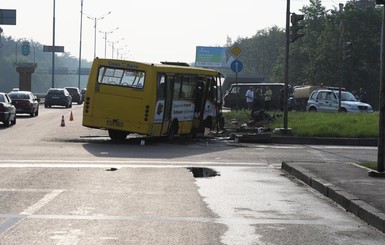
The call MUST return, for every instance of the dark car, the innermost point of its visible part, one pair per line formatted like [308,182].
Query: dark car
[25,102]
[7,110]
[75,94]
[236,96]
[58,96]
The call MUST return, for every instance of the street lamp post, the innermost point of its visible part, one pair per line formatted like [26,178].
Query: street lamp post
[53,45]
[80,44]
[113,44]
[105,39]
[118,51]
[96,19]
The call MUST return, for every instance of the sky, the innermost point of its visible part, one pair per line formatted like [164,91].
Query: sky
[146,30]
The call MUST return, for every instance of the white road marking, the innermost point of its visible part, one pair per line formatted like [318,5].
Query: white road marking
[117,164]
[42,202]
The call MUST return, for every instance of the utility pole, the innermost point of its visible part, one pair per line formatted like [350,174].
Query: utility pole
[53,45]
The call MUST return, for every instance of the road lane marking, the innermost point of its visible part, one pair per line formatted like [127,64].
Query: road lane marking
[12,220]
[149,163]
[42,202]
[251,221]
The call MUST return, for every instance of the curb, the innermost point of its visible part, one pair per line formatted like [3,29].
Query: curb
[349,202]
[268,138]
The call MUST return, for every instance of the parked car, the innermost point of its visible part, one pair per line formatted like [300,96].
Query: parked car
[7,110]
[25,102]
[327,100]
[58,96]
[75,94]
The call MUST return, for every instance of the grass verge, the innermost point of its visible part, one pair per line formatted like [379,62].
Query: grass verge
[371,165]
[343,125]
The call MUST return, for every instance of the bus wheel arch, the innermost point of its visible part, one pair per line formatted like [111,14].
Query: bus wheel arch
[117,135]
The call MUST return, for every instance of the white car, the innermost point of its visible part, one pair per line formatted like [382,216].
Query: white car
[326,100]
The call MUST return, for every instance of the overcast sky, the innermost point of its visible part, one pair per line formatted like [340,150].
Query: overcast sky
[149,30]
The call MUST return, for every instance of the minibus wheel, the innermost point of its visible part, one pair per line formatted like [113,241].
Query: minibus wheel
[117,135]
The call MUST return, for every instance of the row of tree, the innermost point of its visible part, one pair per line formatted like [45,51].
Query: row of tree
[11,54]
[314,58]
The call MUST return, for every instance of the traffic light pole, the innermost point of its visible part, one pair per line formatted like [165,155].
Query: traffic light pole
[381,132]
[286,75]
[340,50]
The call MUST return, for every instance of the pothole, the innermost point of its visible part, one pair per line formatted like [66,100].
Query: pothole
[199,172]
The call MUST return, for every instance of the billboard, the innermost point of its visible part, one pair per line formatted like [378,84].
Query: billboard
[212,57]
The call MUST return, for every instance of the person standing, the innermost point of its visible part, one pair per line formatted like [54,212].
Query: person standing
[281,99]
[362,95]
[268,95]
[250,98]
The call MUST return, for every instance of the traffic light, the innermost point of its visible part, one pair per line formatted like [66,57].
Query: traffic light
[347,50]
[295,27]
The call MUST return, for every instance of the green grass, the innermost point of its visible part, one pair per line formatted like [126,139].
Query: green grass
[350,125]
[371,165]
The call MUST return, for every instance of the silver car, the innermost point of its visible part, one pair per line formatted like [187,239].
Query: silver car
[326,100]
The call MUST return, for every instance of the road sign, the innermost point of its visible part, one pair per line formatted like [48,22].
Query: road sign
[236,66]
[57,49]
[7,16]
[25,48]
[236,50]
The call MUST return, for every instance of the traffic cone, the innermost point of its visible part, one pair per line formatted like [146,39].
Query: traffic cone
[62,121]
[71,117]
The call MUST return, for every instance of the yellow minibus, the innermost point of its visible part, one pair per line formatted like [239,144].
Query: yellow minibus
[164,99]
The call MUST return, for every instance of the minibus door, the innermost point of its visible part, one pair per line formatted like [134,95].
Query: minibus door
[200,101]
[168,95]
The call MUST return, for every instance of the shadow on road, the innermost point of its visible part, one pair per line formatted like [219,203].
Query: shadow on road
[144,147]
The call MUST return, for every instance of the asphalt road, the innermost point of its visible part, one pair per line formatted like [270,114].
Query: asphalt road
[72,185]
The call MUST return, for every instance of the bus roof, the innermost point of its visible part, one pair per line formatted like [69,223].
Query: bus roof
[174,66]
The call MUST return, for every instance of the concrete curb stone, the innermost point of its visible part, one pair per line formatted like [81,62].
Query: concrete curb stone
[348,201]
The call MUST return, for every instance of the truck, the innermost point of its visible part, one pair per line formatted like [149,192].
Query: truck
[300,97]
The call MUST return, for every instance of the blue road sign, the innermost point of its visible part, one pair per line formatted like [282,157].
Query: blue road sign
[25,48]
[236,66]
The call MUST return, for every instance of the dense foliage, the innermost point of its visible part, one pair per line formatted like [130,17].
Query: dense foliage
[314,58]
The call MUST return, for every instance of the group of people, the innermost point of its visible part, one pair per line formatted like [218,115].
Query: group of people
[259,99]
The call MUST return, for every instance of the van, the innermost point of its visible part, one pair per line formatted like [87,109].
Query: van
[235,96]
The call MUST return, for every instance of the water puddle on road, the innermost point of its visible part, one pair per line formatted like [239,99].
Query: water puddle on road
[199,172]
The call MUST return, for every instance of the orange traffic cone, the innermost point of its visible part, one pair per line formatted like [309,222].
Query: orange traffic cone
[71,117]
[62,121]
